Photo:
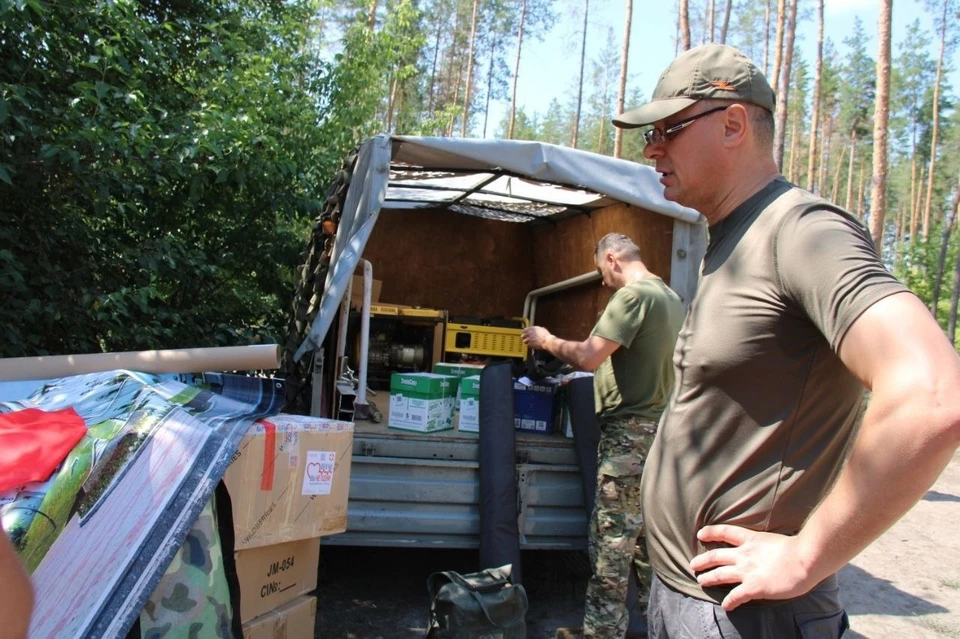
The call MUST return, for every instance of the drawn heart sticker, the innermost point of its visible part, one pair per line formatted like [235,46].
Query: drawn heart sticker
[314,471]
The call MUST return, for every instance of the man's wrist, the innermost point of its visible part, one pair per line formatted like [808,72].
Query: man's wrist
[551,343]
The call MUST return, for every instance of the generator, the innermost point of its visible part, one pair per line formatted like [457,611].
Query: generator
[403,339]
[497,337]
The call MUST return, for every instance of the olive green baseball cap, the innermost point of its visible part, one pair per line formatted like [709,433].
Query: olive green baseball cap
[708,72]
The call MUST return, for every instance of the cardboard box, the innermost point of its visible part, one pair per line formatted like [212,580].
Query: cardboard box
[289,480]
[469,404]
[270,576]
[535,407]
[356,292]
[293,620]
[422,402]
[457,370]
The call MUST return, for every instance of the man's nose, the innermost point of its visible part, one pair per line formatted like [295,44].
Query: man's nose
[652,150]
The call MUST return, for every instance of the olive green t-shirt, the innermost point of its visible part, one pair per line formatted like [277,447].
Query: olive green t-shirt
[764,409]
[643,318]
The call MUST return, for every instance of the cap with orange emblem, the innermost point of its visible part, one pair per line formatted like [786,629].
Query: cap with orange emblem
[708,72]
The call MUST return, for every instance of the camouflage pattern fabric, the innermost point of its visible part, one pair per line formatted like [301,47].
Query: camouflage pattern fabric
[192,599]
[616,526]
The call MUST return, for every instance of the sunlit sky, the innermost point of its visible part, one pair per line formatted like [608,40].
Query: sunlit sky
[549,68]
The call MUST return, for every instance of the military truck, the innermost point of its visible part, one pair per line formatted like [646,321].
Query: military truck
[449,233]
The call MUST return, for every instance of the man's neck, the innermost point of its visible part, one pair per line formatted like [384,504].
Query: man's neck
[747,182]
[634,272]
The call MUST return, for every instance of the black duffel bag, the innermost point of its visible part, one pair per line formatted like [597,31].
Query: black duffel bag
[481,605]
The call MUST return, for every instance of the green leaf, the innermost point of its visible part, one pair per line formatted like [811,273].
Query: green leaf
[4,175]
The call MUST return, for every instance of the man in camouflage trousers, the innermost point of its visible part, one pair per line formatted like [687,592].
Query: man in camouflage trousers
[630,351]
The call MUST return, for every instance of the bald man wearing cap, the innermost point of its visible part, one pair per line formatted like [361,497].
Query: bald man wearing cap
[749,505]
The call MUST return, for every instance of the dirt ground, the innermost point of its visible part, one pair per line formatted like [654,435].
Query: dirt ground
[906,585]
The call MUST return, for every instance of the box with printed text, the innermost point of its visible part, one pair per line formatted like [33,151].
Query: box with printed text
[423,402]
[289,480]
[271,576]
[469,404]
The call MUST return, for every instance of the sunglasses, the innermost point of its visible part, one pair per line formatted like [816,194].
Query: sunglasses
[658,136]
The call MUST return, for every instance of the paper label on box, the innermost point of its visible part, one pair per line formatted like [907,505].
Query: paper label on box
[318,475]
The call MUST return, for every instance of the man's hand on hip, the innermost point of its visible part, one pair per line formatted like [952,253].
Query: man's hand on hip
[760,565]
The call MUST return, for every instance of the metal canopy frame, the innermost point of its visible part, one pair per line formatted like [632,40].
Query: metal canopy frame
[511,207]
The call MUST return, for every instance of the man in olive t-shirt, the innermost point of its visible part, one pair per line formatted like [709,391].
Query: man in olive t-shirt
[630,350]
[749,507]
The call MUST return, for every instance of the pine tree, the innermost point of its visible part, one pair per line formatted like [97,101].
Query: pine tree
[878,201]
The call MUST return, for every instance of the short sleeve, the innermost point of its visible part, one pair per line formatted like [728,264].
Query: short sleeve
[827,265]
[621,319]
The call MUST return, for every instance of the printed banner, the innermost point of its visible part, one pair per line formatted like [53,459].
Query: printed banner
[98,534]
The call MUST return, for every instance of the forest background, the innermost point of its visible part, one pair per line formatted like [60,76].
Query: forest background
[162,161]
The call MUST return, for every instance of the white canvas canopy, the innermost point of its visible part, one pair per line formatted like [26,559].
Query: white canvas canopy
[509,180]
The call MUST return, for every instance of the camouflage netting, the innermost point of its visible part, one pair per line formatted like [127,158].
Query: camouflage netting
[306,299]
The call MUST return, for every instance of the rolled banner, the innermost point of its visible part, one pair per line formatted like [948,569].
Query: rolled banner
[186,360]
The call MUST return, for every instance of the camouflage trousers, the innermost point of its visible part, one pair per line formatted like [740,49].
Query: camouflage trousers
[192,599]
[616,527]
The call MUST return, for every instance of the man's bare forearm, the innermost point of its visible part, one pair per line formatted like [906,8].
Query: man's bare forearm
[573,353]
[903,446]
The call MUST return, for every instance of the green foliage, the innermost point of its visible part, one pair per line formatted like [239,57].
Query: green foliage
[159,163]
[858,89]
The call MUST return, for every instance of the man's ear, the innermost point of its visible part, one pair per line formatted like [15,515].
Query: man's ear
[736,123]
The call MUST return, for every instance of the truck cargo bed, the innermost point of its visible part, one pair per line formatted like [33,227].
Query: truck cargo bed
[423,490]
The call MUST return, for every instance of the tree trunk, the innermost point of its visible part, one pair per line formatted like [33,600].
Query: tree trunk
[622,92]
[766,39]
[878,198]
[456,98]
[778,43]
[448,81]
[913,193]
[918,206]
[936,123]
[941,262]
[812,184]
[860,192]
[900,227]
[792,165]
[848,202]
[391,103]
[684,25]
[433,69]
[783,96]
[516,70]
[826,144]
[486,109]
[372,15]
[465,124]
[915,182]
[711,17]
[583,59]
[954,298]
[726,22]
[836,176]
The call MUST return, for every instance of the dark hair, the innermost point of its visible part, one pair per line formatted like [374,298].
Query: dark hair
[618,244]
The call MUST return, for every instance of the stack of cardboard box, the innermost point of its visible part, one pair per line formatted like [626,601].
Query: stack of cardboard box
[288,483]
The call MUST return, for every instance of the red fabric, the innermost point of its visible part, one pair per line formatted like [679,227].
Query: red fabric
[33,442]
